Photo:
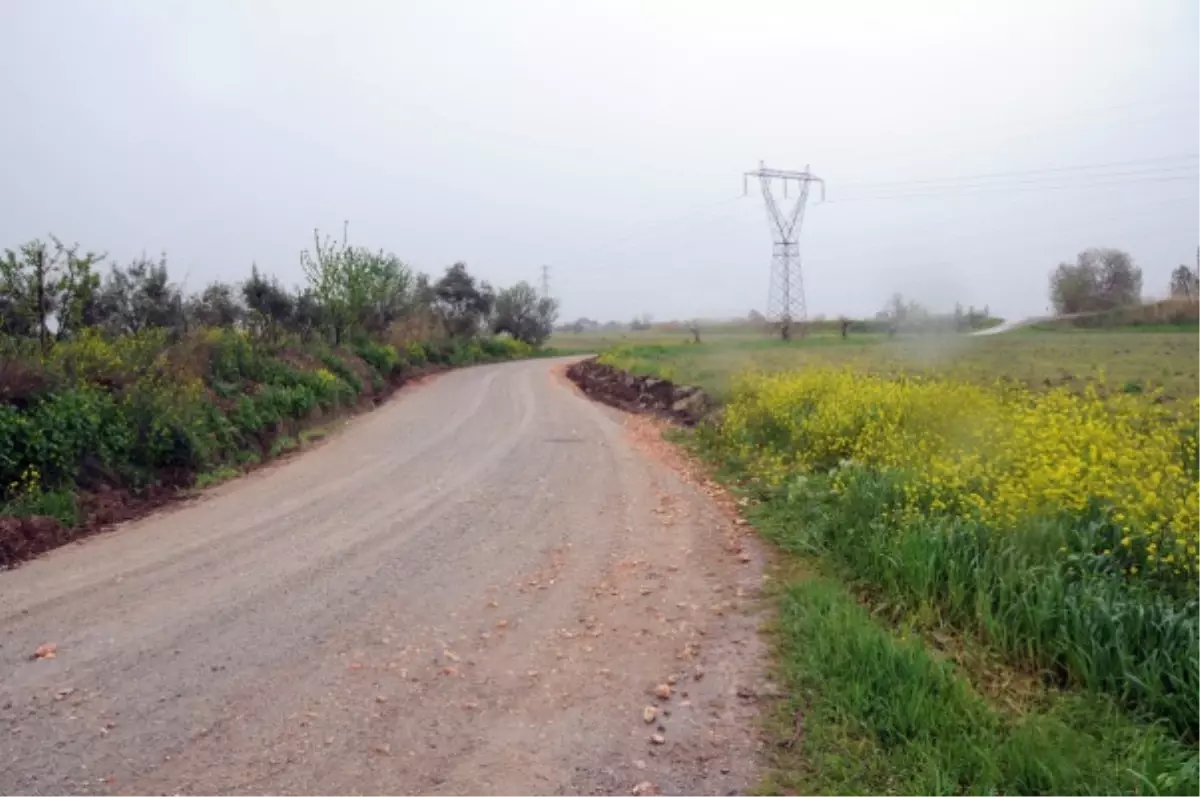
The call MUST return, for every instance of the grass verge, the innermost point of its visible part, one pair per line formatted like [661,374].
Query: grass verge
[871,711]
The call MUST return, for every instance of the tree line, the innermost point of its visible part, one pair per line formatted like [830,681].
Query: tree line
[1104,279]
[51,291]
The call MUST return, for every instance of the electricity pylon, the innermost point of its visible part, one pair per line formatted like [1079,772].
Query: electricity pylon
[785,302]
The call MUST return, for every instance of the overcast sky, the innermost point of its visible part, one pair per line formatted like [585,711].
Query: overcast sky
[968,146]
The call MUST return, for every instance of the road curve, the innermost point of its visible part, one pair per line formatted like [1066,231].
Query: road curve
[472,589]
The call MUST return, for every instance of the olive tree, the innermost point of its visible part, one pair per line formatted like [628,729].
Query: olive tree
[520,312]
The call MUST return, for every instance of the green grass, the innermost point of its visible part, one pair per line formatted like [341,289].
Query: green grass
[315,433]
[871,711]
[216,476]
[1067,617]
[1039,359]
[59,504]
[281,444]
[598,341]
[1121,330]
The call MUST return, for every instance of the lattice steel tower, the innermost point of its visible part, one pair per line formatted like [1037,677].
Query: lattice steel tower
[785,302]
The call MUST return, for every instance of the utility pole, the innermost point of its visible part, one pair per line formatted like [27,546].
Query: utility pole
[545,282]
[785,302]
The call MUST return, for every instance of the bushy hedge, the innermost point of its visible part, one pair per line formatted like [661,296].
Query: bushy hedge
[134,409]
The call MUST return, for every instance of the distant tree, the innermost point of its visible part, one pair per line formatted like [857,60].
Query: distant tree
[360,291]
[1185,283]
[581,324]
[641,322]
[140,296]
[216,306]
[269,304]
[325,269]
[47,285]
[77,289]
[1120,279]
[1100,279]
[755,317]
[423,293]
[27,291]
[694,328]
[308,317]
[462,304]
[1073,288]
[389,290]
[525,315]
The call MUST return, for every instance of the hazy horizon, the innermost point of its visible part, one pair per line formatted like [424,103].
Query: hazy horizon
[968,148]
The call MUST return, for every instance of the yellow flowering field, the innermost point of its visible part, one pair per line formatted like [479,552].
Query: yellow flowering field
[999,453]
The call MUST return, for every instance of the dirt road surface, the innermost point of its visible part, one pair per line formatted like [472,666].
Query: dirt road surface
[473,589]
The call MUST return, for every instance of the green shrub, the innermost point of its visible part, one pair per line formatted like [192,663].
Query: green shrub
[281,444]
[169,420]
[233,358]
[505,348]
[380,356]
[465,353]
[342,371]
[14,445]
[59,504]
[57,432]
[244,416]
[92,358]
[438,352]
[211,477]
[414,353]
[220,435]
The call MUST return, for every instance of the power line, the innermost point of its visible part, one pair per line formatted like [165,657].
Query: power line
[1021,172]
[1041,131]
[823,253]
[1003,189]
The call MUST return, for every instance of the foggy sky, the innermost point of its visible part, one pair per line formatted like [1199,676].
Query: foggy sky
[608,140]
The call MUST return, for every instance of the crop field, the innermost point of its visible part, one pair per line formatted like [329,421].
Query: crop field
[1028,500]
[1112,361]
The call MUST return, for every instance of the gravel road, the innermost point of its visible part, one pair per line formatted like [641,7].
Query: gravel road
[473,589]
